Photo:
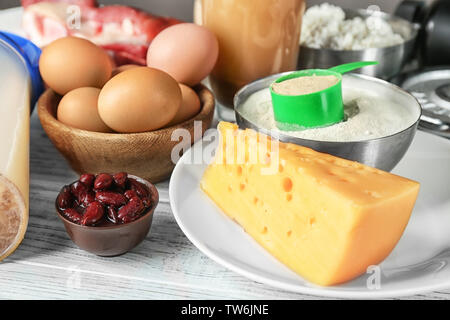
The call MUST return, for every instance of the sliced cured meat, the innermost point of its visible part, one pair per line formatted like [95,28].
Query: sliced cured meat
[87,3]
[124,31]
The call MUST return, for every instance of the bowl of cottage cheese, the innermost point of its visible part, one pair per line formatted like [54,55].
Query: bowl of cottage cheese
[332,35]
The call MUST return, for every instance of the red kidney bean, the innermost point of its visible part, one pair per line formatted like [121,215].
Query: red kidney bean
[128,219]
[78,188]
[139,188]
[93,214]
[72,215]
[132,208]
[120,179]
[103,181]
[112,214]
[147,202]
[64,199]
[130,194]
[87,179]
[110,198]
[142,191]
[86,198]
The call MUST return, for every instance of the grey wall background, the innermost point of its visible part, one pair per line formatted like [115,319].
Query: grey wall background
[182,9]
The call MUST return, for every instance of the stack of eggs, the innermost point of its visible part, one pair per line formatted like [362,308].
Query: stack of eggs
[129,99]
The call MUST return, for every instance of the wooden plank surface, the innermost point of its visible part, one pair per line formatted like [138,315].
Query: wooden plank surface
[166,265]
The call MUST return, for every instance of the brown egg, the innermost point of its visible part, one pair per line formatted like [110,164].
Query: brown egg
[190,105]
[70,63]
[186,51]
[122,68]
[78,109]
[139,99]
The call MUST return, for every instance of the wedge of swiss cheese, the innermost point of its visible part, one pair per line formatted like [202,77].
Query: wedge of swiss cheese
[326,218]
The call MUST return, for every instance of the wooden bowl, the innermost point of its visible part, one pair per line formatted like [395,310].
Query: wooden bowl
[146,155]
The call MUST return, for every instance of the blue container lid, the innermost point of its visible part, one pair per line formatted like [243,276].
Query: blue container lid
[30,53]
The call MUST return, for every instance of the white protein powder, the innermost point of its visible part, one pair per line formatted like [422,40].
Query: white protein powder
[324,26]
[377,117]
[304,85]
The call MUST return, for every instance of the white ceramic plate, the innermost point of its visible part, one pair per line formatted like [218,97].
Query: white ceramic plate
[419,263]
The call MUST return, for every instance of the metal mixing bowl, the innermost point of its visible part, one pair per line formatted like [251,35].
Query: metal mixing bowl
[382,153]
[391,59]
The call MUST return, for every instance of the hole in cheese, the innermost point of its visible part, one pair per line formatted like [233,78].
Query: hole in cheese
[287,184]
[373,194]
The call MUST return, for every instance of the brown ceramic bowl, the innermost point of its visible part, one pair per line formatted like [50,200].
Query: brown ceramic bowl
[113,240]
[146,154]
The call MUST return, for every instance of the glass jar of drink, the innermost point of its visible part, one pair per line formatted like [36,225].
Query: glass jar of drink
[256,38]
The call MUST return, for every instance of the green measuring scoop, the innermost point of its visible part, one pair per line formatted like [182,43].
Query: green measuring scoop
[317,109]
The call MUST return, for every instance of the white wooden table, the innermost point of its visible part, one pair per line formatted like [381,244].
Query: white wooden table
[166,265]
[48,265]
